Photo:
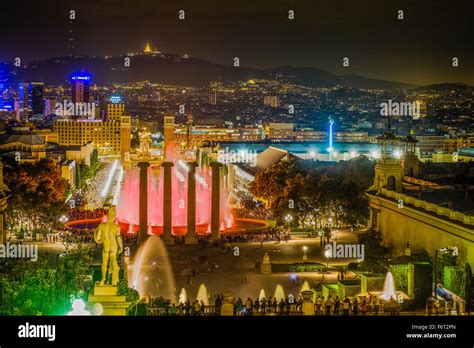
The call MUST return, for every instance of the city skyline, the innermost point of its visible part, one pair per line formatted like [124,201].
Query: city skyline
[377,43]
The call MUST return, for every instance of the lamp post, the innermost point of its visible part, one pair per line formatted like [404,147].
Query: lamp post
[288,219]
[305,257]
[327,253]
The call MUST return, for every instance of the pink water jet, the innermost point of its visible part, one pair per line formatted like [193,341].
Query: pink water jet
[128,209]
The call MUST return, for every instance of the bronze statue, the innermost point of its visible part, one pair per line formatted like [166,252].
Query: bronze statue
[108,234]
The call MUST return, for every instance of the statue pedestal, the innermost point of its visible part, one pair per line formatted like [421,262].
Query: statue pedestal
[266,266]
[190,240]
[227,308]
[112,303]
[307,307]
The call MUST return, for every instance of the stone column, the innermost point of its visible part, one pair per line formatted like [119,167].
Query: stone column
[191,237]
[215,200]
[143,203]
[167,204]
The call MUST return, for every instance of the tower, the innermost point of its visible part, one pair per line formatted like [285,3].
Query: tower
[24,90]
[80,87]
[330,149]
[168,131]
[189,127]
[388,170]
[37,103]
[125,135]
[411,163]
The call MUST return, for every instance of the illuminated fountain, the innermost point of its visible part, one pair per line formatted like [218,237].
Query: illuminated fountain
[183,297]
[305,287]
[202,295]
[261,296]
[163,208]
[388,288]
[279,293]
[151,272]
[128,209]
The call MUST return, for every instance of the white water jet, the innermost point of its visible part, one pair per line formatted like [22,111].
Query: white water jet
[261,296]
[151,272]
[279,293]
[389,288]
[202,295]
[183,296]
[305,287]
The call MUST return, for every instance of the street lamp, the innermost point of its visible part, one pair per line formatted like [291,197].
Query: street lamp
[305,257]
[288,219]
[328,254]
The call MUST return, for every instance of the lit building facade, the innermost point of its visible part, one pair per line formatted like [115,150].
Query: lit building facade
[426,219]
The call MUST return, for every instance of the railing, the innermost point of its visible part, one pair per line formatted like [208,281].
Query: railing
[420,182]
[430,207]
[211,311]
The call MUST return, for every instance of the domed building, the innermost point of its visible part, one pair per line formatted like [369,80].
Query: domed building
[23,145]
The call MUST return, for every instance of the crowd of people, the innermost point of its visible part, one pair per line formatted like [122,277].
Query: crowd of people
[88,214]
[330,305]
[272,234]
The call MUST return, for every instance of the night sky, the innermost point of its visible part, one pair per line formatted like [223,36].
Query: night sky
[416,50]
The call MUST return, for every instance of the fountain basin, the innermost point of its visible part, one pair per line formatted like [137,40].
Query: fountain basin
[241,226]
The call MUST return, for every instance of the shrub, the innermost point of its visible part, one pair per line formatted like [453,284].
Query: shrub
[298,267]
[452,279]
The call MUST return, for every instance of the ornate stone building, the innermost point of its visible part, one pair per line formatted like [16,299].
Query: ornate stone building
[406,210]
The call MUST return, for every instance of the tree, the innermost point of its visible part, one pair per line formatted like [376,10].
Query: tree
[375,251]
[269,184]
[34,288]
[38,194]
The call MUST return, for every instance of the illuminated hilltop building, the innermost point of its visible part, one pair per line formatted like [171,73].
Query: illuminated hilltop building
[149,50]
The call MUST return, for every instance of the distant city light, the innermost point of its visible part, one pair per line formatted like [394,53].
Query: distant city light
[115,99]
[375,154]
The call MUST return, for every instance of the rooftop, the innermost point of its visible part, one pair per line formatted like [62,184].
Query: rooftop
[26,137]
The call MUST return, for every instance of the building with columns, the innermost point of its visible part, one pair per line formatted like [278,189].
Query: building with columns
[404,210]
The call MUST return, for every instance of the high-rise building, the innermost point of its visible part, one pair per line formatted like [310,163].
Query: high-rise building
[49,106]
[24,99]
[213,97]
[37,102]
[80,87]
[115,108]
[110,136]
